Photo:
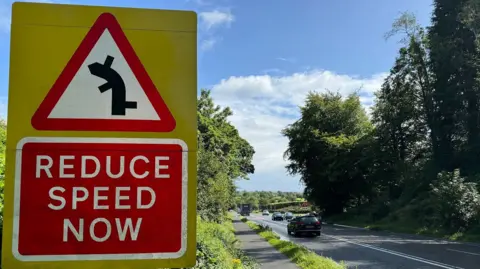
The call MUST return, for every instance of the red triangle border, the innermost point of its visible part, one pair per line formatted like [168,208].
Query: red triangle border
[105,21]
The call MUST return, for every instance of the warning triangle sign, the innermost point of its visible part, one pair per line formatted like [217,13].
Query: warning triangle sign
[104,87]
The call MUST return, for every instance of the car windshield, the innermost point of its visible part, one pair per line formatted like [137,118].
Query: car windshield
[289,214]
[276,213]
[309,219]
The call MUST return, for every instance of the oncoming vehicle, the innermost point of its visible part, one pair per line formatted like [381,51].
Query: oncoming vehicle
[277,216]
[265,213]
[245,209]
[305,225]
[288,216]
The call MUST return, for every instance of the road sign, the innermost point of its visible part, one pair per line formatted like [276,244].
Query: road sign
[100,203]
[97,76]
[101,150]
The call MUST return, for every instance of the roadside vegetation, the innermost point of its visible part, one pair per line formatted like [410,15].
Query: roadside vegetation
[218,247]
[269,200]
[223,158]
[412,164]
[301,256]
[3,147]
[296,209]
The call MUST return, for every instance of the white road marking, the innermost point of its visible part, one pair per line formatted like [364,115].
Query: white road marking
[351,227]
[266,222]
[403,255]
[399,254]
[466,252]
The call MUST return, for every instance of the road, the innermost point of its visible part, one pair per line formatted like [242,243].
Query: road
[365,249]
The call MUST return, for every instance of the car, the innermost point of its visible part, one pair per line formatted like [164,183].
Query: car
[265,213]
[277,216]
[288,216]
[305,225]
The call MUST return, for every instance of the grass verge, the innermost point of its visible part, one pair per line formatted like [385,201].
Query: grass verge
[217,247]
[301,256]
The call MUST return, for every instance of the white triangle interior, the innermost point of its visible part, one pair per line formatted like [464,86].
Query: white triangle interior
[83,100]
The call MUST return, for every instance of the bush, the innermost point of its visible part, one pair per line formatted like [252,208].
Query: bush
[380,211]
[217,248]
[457,202]
[295,209]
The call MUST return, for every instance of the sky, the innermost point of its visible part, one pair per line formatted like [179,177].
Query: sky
[261,58]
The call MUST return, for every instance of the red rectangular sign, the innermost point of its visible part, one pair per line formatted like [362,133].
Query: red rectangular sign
[100,198]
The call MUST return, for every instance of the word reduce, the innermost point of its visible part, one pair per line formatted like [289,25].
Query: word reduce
[100,197]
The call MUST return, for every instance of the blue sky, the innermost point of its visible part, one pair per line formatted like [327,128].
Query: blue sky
[262,57]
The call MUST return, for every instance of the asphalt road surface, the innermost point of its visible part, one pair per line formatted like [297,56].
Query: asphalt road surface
[364,249]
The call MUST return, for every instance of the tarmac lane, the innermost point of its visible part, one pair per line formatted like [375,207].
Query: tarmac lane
[365,249]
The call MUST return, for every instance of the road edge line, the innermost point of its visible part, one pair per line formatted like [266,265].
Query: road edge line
[426,237]
[399,254]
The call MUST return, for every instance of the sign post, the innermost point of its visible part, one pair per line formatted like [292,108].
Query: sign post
[101,150]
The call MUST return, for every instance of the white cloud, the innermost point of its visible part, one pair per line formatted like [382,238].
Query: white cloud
[284,59]
[208,44]
[3,107]
[4,19]
[199,2]
[263,105]
[210,23]
[216,18]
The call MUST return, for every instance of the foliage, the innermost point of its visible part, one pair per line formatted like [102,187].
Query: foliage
[324,144]
[402,166]
[303,257]
[457,202]
[261,199]
[295,209]
[223,158]
[217,248]
[3,145]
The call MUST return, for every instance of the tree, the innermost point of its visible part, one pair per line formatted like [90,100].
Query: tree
[454,63]
[262,199]
[425,124]
[223,158]
[325,149]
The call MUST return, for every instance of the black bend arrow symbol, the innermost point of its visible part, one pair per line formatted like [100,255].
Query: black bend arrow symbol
[114,82]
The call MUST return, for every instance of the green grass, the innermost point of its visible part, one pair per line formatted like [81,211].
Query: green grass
[218,247]
[301,256]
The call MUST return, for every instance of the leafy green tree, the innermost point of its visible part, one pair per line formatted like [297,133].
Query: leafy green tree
[424,129]
[454,63]
[262,199]
[456,201]
[223,158]
[325,150]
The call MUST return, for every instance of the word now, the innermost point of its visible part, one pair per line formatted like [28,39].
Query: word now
[81,194]
[88,166]
[121,229]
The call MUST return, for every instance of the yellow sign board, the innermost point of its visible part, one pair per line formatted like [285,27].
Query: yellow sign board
[102,138]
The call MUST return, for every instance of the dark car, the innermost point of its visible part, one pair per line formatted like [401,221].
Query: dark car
[288,216]
[277,216]
[305,225]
